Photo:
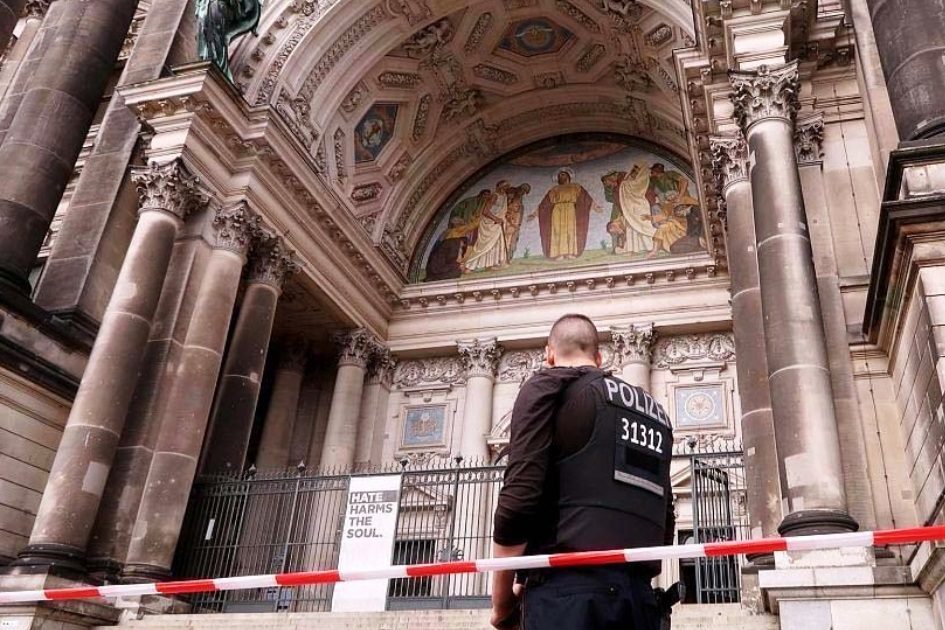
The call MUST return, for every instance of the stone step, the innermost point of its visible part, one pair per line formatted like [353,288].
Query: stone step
[706,617]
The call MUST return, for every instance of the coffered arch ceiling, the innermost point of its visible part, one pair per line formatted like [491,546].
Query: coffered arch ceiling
[399,101]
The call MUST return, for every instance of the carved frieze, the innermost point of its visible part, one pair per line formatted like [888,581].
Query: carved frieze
[729,160]
[483,24]
[423,116]
[491,73]
[677,351]
[589,58]
[340,161]
[402,80]
[809,139]
[268,86]
[168,187]
[435,371]
[769,92]
[520,365]
[480,356]
[366,192]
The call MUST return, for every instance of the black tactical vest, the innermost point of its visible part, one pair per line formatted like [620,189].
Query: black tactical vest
[614,492]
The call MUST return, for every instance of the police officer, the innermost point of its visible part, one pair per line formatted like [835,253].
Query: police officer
[588,470]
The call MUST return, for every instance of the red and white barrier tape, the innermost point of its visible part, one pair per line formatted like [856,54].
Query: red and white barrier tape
[587,558]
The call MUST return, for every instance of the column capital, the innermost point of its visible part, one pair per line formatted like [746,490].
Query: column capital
[168,187]
[271,261]
[355,347]
[36,8]
[382,365]
[809,139]
[633,343]
[480,356]
[234,228]
[293,355]
[766,93]
[729,160]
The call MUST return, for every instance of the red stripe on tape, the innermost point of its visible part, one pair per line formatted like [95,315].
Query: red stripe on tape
[767,545]
[71,593]
[586,558]
[442,568]
[185,586]
[308,577]
[912,535]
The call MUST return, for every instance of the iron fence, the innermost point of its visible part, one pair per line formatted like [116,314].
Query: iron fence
[256,524]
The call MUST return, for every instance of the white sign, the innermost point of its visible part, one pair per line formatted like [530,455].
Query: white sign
[367,541]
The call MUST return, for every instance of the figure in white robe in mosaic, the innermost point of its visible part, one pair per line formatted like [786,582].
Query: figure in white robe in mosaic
[491,248]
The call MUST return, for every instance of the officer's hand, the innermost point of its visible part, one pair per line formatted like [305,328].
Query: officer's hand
[506,619]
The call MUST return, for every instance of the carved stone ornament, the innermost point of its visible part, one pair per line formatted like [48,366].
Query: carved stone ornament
[168,187]
[809,139]
[765,93]
[480,356]
[235,228]
[382,366]
[219,22]
[428,39]
[633,343]
[483,23]
[36,8]
[414,11]
[520,365]
[271,262]
[355,347]
[729,160]
[711,347]
[435,371]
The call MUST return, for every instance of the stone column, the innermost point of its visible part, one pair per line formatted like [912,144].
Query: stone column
[85,455]
[35,11]
[341,436]
[235,405]
[730,163]
[10,11]
[481,359]
[374,407]
[798,377]
[174,463]
[633,346]
[283,407]
[49,128]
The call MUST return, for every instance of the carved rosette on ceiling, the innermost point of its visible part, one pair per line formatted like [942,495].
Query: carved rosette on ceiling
[480,356]
[435,371]
[235,228]
[168,187]
[633,343]
[729,160]
[355,347]
[709,347]
[271,262]
[809,139]
[769,92]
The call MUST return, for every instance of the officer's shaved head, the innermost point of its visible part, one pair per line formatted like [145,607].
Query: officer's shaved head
[574,336]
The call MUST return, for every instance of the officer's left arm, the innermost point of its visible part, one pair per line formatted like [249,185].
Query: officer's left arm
[504,598]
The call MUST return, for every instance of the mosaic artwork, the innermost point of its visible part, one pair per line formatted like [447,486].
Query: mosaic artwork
[700,407]
[566,203]
[374,131]
[424,426]
[535,36]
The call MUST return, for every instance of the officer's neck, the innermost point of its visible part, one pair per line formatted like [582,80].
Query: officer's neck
[575,362]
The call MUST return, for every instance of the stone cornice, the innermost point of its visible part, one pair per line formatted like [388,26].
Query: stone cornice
[480,356]
[766,93]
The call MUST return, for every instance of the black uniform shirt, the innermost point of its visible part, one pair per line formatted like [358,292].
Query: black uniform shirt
[542,432]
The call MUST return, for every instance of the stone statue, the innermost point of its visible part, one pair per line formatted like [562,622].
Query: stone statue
[219,22]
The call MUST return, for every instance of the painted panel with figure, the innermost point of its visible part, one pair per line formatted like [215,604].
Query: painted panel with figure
[573,201]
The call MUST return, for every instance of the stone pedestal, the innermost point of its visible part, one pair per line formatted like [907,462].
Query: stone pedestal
[85,454]
[633,346]
[283,408]
[374,408]
[480,358]
[798,376]
[341,435]
[47,132]
[174,464]
[235,406]
[730,162]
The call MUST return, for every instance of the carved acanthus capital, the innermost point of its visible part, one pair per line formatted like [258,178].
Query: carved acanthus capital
[168,187]
[234,228]
[294,355]
[633,343]
[480,356]
[809,139]
[765,93]
[271,262]
[355,347]
[729,160]
[36,8]
[382,366]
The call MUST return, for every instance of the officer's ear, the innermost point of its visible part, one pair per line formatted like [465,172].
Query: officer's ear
[549,356]
[598,359]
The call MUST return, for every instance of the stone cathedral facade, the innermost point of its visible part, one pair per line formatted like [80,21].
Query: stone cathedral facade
[337,232]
